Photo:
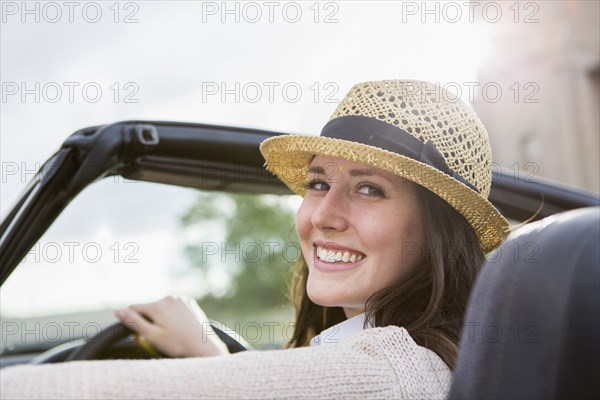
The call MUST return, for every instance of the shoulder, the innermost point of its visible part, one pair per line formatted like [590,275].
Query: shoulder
[421,373]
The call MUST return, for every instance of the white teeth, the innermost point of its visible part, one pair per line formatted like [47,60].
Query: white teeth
[332,256]
[346,257]
[322,253]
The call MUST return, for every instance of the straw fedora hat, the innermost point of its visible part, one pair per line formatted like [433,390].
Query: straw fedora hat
[413,129]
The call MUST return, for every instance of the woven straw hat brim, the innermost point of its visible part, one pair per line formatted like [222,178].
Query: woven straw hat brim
[287,156]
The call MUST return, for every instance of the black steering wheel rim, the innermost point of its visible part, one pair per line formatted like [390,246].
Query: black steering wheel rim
[111,335]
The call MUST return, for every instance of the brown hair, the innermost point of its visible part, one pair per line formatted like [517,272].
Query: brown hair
[429,302]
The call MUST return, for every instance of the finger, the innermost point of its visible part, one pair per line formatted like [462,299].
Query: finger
[191,303]
[195,308]
[148,310]
[135,321]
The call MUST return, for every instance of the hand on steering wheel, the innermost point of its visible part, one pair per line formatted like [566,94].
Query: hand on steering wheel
[101,344]
[175,326]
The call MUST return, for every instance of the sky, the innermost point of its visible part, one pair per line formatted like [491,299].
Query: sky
[274,65]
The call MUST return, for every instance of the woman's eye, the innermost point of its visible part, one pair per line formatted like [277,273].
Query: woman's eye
[371,190]
[317,185]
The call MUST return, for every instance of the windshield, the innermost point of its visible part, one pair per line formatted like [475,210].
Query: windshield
[123,242]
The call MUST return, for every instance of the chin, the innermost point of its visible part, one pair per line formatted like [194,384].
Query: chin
[326,298]
[322,298]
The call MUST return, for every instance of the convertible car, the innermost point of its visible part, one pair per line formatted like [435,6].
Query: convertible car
[552,351]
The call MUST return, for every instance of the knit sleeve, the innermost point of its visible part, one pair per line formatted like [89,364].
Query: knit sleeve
[356,368]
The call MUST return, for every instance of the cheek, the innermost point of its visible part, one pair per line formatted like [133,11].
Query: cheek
[304,224]
[399,243]
[410,245]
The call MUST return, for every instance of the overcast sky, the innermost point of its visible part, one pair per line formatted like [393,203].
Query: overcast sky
[169,61]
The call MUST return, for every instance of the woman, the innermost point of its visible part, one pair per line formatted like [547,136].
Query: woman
[393,228]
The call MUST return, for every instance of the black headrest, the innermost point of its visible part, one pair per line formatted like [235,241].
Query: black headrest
[532,324]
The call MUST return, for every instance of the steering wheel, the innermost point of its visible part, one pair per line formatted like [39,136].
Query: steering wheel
[113,334]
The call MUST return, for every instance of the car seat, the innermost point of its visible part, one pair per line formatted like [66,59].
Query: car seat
[532,323]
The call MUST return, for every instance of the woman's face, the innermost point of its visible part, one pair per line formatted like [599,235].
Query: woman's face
[360,228]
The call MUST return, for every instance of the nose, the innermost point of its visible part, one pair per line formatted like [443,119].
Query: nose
[331,212]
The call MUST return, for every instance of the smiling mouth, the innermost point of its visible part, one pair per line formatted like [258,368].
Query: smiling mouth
[336,256]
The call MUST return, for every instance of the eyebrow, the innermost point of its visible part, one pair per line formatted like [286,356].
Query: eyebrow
[317,169]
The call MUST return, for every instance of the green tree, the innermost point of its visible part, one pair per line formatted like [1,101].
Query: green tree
[259,230]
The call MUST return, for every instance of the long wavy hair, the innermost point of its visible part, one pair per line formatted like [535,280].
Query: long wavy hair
[429,302]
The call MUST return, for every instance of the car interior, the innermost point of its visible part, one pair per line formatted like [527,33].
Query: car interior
[532,325]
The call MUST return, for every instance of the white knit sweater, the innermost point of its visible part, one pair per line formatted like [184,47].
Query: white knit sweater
[375,363]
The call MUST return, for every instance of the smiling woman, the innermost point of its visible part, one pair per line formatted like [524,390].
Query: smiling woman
[400,259]
[354,229]
[393,226]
